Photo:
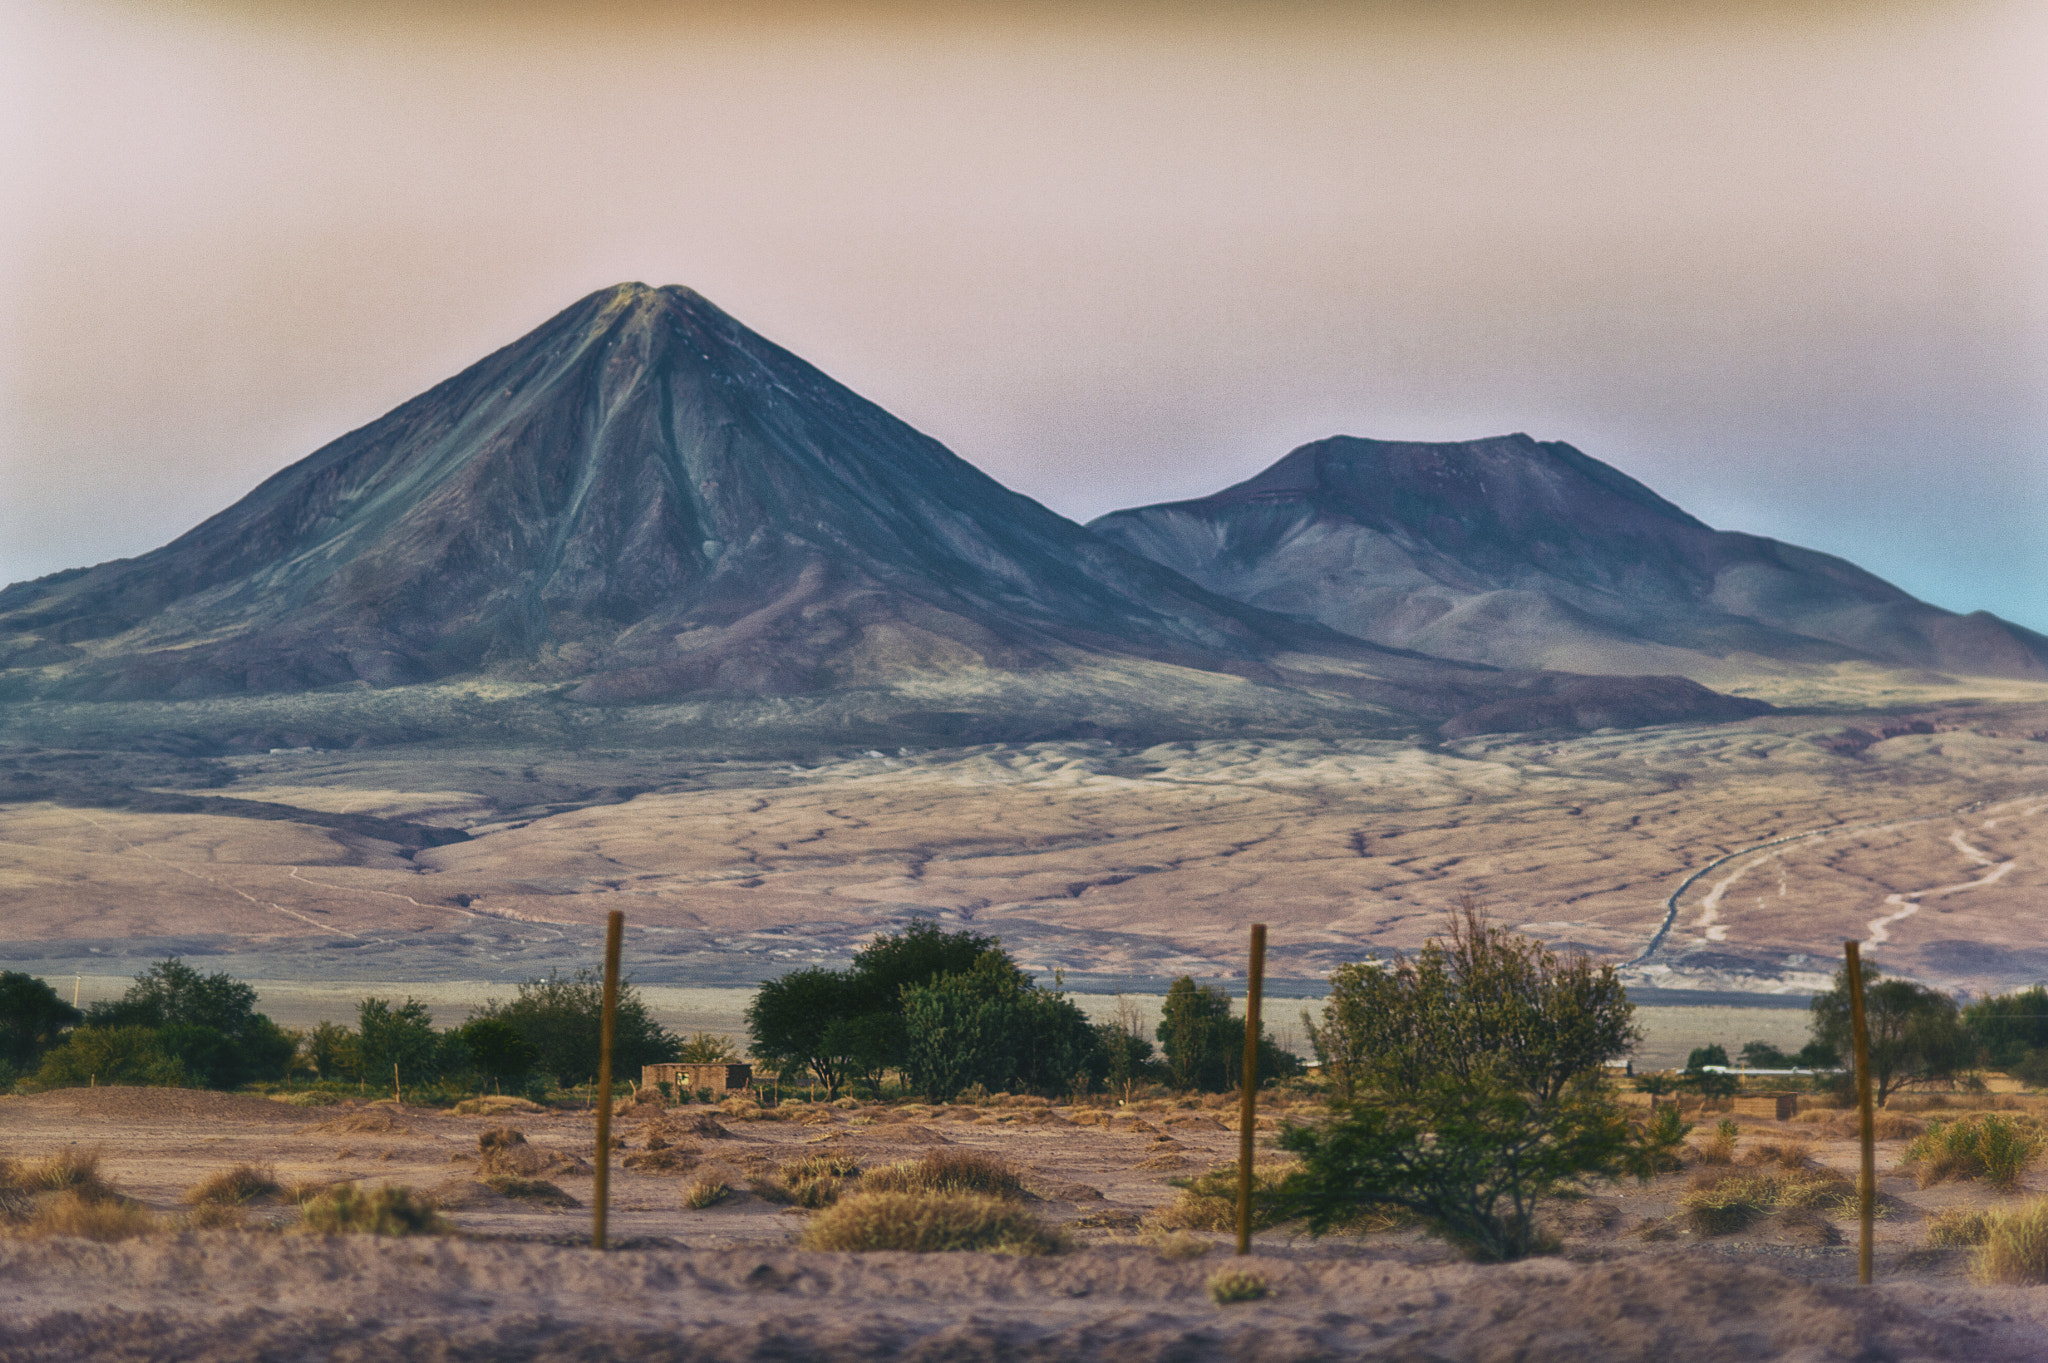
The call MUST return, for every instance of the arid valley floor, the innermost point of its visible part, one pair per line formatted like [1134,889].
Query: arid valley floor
[1633,1278]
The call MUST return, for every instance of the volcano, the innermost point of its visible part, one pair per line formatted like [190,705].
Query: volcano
[1525,553]
[643,500]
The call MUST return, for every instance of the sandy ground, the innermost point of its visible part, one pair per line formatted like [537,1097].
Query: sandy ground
[518,1281]
[1925,834]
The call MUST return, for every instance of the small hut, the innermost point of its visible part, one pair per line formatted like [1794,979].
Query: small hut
[720,1077]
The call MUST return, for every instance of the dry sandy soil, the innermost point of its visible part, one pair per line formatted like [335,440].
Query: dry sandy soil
[1733,857]
[728,1283]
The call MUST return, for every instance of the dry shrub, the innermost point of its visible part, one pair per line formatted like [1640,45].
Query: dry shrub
[1228,1285]
[929,1222]
[1726,1202]
[233,1187]
[2015,1248]
[1959,1226]
[215,1216]
[1720,1147]
[1176,1244]
[345,1209]
[507,1155]
[373,1121]
[499,1138]
[70,1170]
[1995,1149]
[72,1212]
[531,1190]
[813,1182]
[663,1158]
[1209,1201]
[1785,1154]
[948,1171]
[706,1192]
[1889,1126]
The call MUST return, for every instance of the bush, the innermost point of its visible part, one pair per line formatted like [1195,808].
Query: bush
[396,1035]
[948,1171]
[345,1209]
[706,1192]
[110,1055]
[1994,1149]
[1228,1285]
[1209,1201]
[1720,1204]
[925,1223]
[2015,1248]
[1474,1065]
[72,1213]
[1720,1148]
[233,1187]
[70,1170]
[2010,1027]
[1959,1226]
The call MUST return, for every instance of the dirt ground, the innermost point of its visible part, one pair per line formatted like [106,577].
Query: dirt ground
[1632,1279]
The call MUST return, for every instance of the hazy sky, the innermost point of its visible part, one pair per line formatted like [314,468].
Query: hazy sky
[1787,264]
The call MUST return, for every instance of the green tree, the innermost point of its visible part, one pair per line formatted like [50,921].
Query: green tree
[207,1023]
[1204,1044]
[992,1026]
[1917,1034]
[1475,1093]
[1762,1055]
[498,1051]
[32,1019]
[401,1035]
[563,1019]
[2009,1026]
[111,1055]
[799,1022]
[331,1050]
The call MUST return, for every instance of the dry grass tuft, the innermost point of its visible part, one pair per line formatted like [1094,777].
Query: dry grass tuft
[1228,1285]
[948,1171]
[2015,1248]
[1994,1149]
[1209,1201]
[707,1192]
[92,1218]
[1176,1244]
[499,1138]
[537,1190]
[233,1187]
[70,1170]
[345,1209]
[1959,1226]
[1786,1154]
[1725,1202]
[925,1223]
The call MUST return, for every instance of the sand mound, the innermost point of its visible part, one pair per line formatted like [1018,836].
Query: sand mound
[281,1296]
[112,1103]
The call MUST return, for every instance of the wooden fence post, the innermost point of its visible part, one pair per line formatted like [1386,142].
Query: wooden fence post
[1248,1105]
[1866,1186]
[614,928]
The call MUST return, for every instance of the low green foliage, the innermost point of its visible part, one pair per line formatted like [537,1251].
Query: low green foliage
[345,1209]
[1229,1285]
[1209,1201]
[1988,1147]
[925,1223]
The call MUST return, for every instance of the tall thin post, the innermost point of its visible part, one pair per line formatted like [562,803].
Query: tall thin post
[1248,1105]
[614,928]
[1866,1186]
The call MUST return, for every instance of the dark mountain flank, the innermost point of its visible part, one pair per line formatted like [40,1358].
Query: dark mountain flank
[643,500]
[1525,553]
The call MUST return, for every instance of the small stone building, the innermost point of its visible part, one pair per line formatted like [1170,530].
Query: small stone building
[722,1077]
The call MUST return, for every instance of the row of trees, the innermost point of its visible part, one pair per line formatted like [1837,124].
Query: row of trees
[952,1011]
[178,1026]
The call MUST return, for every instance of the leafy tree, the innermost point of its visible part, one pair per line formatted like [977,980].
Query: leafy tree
[992,1026]
[111,1055]
[498,1051]
[706,1048]
[918,954]
[1917,1034]
[2009,1026]
[563,1021]
[1697,1079]
[1762,1055]
[798,1022]
[32,1019]
[1703,1056]
[1474,1071]
[207,1023]
[1126,1055]
[401,1035]
[331,1050]
[1204,1044]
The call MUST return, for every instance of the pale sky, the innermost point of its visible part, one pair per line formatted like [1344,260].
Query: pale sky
[1786,263]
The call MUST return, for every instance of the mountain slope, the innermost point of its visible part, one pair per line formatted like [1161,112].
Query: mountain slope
[1522,553]
[645,500]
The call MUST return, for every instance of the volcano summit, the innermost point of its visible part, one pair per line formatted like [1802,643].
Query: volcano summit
[643,500]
